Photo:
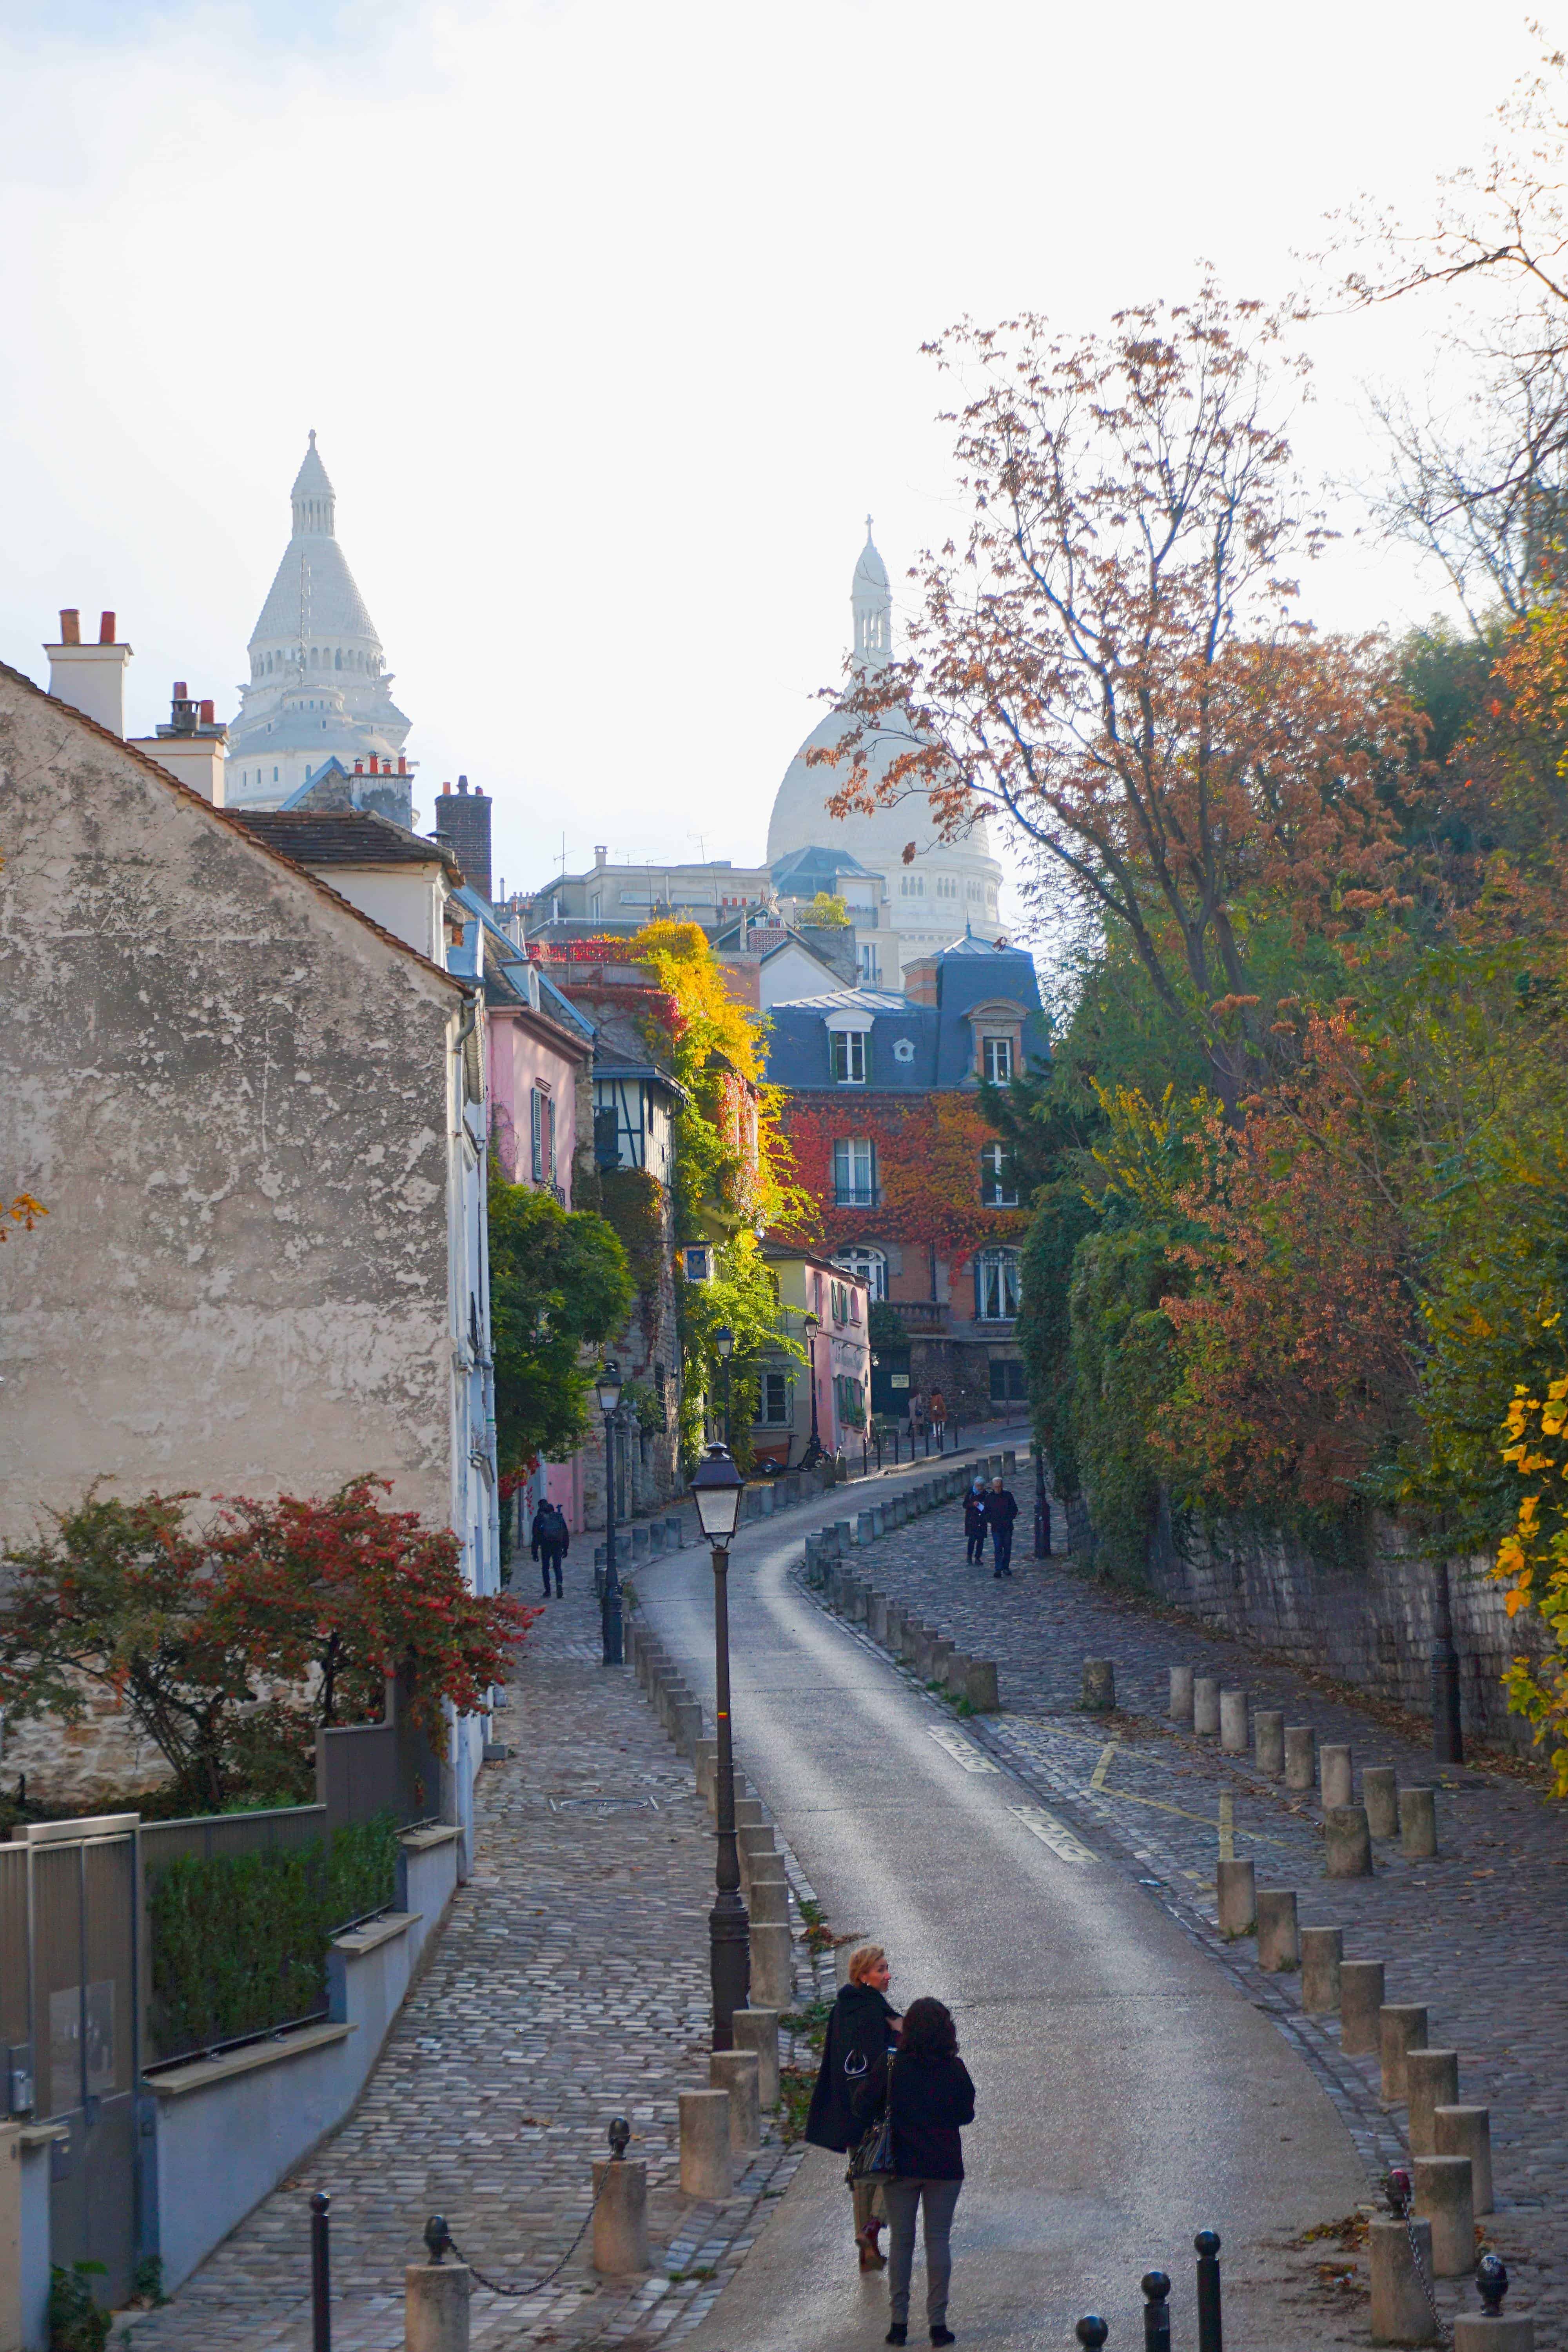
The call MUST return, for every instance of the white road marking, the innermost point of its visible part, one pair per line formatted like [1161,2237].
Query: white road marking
[1052,1832]
[973,1759]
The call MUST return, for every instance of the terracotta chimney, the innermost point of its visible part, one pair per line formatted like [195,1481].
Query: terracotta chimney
[91,678]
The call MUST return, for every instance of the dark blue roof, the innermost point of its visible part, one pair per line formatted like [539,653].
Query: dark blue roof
[812,869]
[914,1047]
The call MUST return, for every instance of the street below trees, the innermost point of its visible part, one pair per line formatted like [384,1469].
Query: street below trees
[1129,2093]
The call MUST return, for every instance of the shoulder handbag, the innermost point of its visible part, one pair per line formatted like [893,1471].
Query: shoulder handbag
[872,2159]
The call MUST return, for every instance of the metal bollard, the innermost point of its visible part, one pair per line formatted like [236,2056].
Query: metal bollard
[1207,2245]
[436,2296]
[321,2274]
[1157,2289]
[1092,2332]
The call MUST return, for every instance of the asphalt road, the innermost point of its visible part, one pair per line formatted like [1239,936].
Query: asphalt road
[1127,2093]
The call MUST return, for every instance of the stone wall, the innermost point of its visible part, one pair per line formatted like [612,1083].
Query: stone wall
[1365,1618]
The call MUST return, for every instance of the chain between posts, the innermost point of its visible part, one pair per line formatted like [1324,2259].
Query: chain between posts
[438,2237]
[1398,2192]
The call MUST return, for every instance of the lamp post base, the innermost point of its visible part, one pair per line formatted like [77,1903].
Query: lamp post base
[730,1963]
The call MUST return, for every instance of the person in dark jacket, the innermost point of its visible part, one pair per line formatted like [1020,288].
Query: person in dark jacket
[1001,1510]
[975,1523]
[861,2026]
[552,1542]
[931,2098]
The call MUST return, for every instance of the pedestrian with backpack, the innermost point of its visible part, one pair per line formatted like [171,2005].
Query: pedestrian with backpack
[550,1542]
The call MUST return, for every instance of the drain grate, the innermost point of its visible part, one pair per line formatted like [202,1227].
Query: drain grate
[600,1804]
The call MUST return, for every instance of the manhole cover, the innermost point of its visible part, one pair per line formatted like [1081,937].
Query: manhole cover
[600,1804]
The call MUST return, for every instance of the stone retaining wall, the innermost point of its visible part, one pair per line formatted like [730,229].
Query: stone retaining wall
[1367,1620]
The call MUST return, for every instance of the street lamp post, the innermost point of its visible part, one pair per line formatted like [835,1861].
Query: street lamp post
[813,1454]
[1448,1731]
[724,1340]
[716,1491]
[607,1388]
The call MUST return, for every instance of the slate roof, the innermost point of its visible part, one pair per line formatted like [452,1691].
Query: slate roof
[346,837]
[939,1039]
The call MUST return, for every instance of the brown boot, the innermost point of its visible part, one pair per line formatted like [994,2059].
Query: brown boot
[870,2260]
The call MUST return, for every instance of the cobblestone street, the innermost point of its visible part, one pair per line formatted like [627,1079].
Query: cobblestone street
[1476,1933]
[570,1985]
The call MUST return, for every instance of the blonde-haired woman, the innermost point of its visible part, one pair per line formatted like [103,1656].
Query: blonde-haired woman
[862,2027]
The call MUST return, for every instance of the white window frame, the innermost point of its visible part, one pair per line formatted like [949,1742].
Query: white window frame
[854,1171]
[994,1170]
[865,1265]
[998,1056]
[849,1056]
[996,1291]
[775,1388]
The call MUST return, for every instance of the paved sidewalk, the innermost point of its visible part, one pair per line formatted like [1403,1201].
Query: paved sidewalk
[570,1984]
[1476,1933]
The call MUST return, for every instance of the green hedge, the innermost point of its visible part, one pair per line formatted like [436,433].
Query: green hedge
[240,1942]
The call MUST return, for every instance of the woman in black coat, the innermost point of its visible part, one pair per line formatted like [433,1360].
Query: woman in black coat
[929,2099]
[861,2028]
[975,1523]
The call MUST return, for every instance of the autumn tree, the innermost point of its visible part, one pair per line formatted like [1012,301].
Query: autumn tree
[559,1285]
[1110,661]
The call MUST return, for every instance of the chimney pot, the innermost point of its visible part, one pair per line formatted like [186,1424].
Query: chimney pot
[445,788]
[106,628]
[359,767]
[462,783]
[71,625]
[207,718]
[181,691]
[402,765]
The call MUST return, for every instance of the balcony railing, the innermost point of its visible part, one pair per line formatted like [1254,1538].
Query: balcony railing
[857,1196]
[919,1314]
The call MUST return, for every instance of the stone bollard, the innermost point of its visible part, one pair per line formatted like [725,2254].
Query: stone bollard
[1401,2028]
[1323,1950]
[845,1531]
[895,1618]
[1268,1742]
[912,1633]
[755,1845]
[980,1686]
[864,1527]
[955,1677]
[757,2030]
[707,2166]
[1232,1722]
[656,1536]
[436,2306]
[1361,2006]
[1098,1688]
[687,1726]
[704,1763]
[735,2071]
[1206,1705]
[1445,2196]
[1279,1939]
[767,1898]
[674,1535]
[1380,1795]
[941,1651]
[748,1811]
[1347,1848]
[1431,2081]
[1236,1884]
[773,1967]
[1417,1824]
[1300,1762]
[1468,2131]
[620,2219]
[1181,1694]
[1338,1775]
[856,1600]
[876,1619]
[879,1518]
[1400,2311]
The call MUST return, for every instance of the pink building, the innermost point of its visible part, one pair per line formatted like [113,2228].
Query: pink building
[540,1050]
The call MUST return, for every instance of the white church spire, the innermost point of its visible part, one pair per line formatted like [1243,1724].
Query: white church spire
[315,500]
[871,600]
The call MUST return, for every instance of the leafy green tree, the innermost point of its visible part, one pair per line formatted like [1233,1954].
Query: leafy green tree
[560,1285]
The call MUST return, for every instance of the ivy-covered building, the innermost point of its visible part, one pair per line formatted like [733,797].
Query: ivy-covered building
[916,1195]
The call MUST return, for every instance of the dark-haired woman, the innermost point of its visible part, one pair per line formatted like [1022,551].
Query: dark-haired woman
[860,2026]
[932,2098]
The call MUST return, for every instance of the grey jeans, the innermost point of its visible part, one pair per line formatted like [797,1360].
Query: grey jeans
[939,2198]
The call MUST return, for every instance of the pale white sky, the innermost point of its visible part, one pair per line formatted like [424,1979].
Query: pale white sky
[608,317]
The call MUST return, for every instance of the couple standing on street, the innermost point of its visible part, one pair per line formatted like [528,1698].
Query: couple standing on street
[880,2069]
[994,1507]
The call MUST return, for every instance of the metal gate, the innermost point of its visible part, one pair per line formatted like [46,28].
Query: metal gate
[80,2045]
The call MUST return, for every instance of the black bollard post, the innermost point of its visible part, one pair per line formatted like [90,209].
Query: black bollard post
[1092,2332]
[1207,2245]
[1157,2289]
[321,2276]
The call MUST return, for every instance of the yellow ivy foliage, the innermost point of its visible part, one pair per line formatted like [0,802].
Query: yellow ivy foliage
[1532,1561]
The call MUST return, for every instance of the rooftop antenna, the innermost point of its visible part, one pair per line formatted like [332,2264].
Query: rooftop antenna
[563,859]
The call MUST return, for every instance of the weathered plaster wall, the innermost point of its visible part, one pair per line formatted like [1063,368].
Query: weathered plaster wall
[234,1099]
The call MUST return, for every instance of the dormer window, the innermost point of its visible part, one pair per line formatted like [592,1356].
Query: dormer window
[996,1060]
[849,1056]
